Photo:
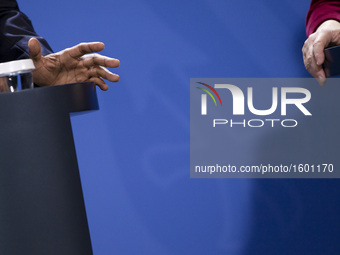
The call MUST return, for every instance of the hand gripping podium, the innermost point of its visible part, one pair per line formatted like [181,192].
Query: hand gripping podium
[42,209]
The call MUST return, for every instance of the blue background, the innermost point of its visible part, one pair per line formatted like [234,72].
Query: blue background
[134,153]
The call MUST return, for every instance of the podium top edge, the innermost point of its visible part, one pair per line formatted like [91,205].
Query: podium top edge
[73,97]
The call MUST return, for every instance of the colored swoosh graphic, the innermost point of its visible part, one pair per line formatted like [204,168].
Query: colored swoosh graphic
[208,93]
[213,90]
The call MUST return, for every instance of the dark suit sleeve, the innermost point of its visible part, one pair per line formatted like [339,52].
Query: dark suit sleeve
[15,31]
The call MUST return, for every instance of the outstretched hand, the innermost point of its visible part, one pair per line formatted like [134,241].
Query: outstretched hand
[327,34]
[72,65]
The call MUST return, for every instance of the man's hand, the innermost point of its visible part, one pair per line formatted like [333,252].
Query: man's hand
[72,65]
[327,34]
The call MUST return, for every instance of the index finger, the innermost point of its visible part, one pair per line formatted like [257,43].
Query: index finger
[320,44]
[85,48]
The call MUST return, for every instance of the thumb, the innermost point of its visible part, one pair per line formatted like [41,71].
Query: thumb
[34,49]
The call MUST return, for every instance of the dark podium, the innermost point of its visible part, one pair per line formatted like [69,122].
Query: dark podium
[42,209]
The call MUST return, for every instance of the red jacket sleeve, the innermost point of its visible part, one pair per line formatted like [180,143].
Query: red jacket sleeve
[319,11]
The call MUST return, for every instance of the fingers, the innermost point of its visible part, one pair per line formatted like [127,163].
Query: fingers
[311,63]
[96,64]
[80,64]
[314,57]
[100,83]
[34,49]
[320,76]
[99,60]
[318,53]
[313,48]
[84,48]
[102,72]
[319,42]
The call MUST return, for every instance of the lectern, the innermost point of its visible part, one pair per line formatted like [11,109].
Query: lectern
[42,208]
